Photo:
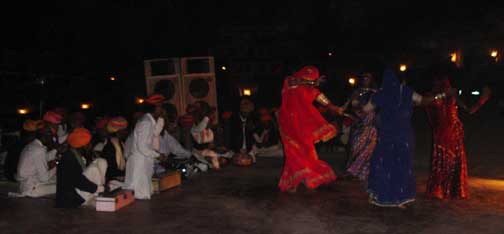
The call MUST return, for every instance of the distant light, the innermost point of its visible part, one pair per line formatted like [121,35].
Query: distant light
[460,92]
[112,78]
[403,67]
[494,53]
[330,53]
[247,92]
[23,111]
[223,68]
[352,81]
[475,93]
[454,57]
[139,100]
[85,106]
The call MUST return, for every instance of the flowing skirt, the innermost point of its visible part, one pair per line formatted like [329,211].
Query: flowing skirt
[363,143]
[448,178]
[391,181]
[303,166]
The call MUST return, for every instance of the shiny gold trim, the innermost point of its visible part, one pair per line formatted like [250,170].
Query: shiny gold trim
[322,99]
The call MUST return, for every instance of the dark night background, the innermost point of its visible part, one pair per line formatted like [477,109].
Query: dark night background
[75,46]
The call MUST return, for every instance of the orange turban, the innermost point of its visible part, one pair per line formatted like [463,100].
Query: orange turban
[308,72]
[116,124]
[33,125]
[79,137]
[53,117]
[155,99]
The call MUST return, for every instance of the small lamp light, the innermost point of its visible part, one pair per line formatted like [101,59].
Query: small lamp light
[403,67]
[85,106]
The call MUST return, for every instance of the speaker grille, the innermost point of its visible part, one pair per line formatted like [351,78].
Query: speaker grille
[199,88]
[166,88]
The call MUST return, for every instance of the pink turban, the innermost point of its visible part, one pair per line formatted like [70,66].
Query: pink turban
[53,117]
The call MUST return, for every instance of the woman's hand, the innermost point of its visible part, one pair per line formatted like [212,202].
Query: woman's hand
[336,109]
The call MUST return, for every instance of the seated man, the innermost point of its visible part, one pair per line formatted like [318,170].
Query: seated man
[266,136]
[168,143]
[203,136]
[113,151]
[242,127]
[36,172]
[101,136]
[141,152]
[78,184]
[14,145]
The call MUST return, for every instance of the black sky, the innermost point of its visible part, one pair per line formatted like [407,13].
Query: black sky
[101,36]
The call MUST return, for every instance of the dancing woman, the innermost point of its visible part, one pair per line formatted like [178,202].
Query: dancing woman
[301,125]
[363,134]
[391,181]
[448,176]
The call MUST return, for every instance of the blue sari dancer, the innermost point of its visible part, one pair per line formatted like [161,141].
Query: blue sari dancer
[391,181]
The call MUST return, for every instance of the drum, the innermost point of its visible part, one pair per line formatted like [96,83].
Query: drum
[242,160]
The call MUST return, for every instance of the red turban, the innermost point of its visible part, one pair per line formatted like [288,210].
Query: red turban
[79,137]
[116,124]
[227,114]
[308,72]
[155,99]
[53,117]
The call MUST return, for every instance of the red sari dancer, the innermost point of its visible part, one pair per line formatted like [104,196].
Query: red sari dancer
[448,177]
[301,126]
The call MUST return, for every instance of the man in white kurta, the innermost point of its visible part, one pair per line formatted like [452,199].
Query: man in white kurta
[35,177]
[140,150]
[140,164]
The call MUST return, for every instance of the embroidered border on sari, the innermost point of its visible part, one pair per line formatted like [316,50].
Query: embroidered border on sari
[324,133]
[288,139]
[373,199]
[310,182]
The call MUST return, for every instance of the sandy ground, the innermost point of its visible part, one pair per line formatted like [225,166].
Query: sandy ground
[246,200]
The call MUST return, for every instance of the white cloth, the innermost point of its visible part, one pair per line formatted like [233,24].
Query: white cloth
[100,145]
[62,133]
[140,164]
[417,98]
[127,147]
[95,173]
[158,128]
[244,135]
[170,145]
[201,134]
[271,151]
[35,178]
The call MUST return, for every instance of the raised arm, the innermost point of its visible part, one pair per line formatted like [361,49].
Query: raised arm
[323,100]
[487,92]
[426,100]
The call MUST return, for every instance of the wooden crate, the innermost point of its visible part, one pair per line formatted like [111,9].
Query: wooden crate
[115,201]
[166,181]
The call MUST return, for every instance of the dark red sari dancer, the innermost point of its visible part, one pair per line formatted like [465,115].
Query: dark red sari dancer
[301,126]
[448,177]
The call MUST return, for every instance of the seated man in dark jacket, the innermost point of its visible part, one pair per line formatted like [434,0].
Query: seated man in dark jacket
[78,184]
[113,151]
[266,136]
[242,128]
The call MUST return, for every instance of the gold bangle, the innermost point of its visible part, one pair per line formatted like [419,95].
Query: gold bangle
[322,99]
